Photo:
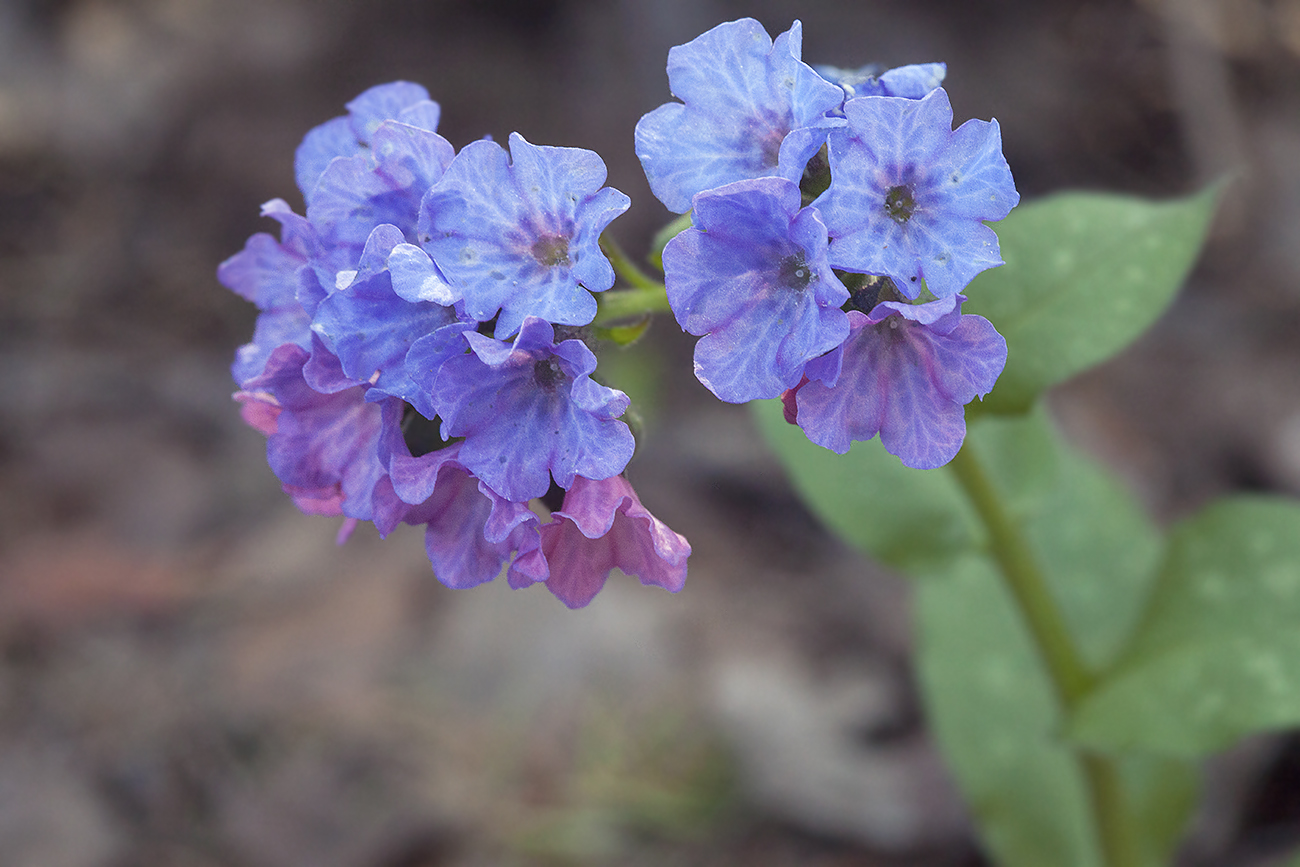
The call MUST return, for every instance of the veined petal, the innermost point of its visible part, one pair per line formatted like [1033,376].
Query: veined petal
[752,278]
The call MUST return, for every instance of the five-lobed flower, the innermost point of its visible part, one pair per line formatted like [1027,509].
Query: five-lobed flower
[751,108]
[909,195]
[751,277]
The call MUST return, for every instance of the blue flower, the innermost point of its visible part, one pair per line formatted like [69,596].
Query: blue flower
[529,411]
[753,279]
[274,275]
[383,184]
[750,109]
[523,236]
[353,133]
[912,81]
[909,195]
[372,329]
[906,372]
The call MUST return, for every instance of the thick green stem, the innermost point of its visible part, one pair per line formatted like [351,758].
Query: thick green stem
[1069,674]
[619,304]
[1025,580]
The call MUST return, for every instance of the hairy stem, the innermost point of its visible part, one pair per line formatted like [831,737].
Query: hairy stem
[1025,580]
[647,295]
[626,303]
[1069,675]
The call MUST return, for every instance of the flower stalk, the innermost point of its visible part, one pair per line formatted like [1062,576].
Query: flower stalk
[1069,674]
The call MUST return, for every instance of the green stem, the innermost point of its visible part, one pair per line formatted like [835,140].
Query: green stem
[1118,837]
[625,267]
[619,304]
[1025,580]
[1069,675]
[647,295]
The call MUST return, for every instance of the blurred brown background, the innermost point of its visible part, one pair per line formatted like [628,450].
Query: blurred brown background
[192,674]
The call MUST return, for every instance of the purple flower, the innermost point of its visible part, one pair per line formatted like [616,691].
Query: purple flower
[906,372]
[471,533]
[322,447]
[602,526]
[753,279]
[750,109]
[383,184]
[529,411]
[912,81]
[354,133]
[271,274]
[520,236]
[909,195]
[372,329]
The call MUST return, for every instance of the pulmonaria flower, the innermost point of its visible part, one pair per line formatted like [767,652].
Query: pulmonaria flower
[471,533]
[529,411]
[906,372]
[602,526]
[381,400]
[909,195]
[354,133]
[323,447]
[750,108]
[372,329]
[271,274]
[912,81]
[753,279]
[384,183]
[521,235]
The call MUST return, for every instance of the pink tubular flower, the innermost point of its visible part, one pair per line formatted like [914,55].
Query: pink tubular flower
[602,527]
[322,447]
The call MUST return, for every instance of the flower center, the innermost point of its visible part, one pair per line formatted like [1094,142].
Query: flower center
[551,250]
[547,373]
[770,149]
[793,273]
[899,203]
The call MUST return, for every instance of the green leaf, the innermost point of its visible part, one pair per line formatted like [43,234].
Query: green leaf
[1085,275]
[1085,528]
[1217,656]
[995,716]
[992,709]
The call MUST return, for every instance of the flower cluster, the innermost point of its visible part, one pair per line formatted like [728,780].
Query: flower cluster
[419,356]
[836,218]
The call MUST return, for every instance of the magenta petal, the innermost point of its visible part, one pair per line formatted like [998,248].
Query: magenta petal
[602,527]
[455,515]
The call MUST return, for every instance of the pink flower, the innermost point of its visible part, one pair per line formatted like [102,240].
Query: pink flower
[601,527]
